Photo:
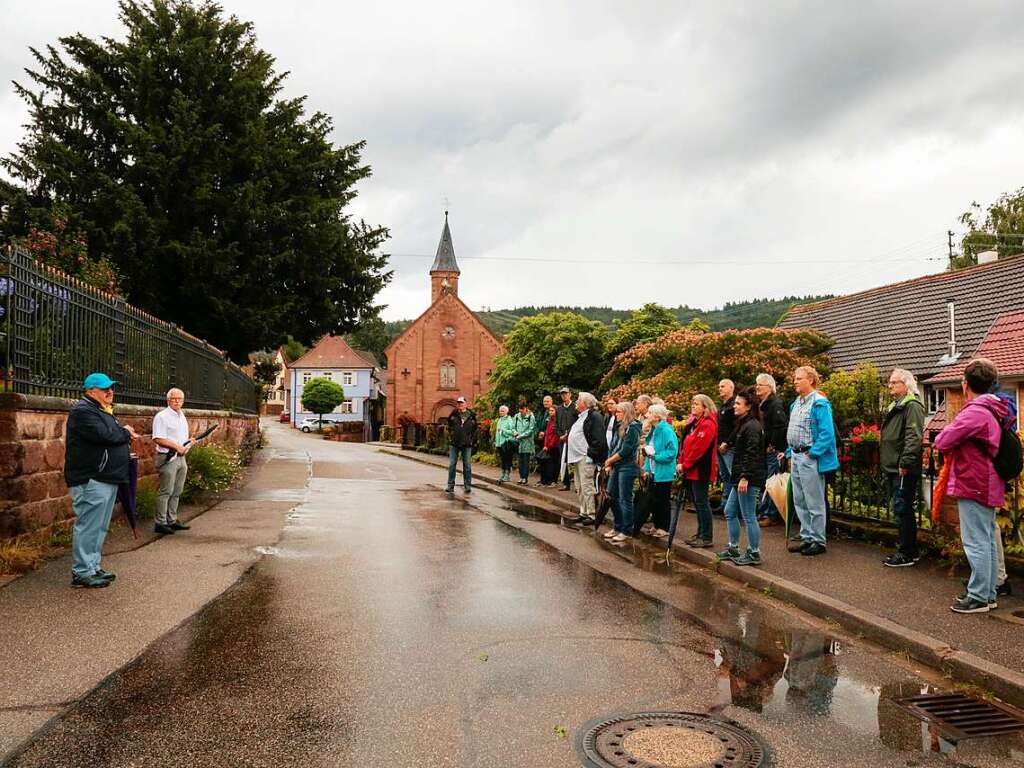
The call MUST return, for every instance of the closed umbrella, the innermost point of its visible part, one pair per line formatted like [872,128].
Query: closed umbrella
[939,491]
[126,494]
[678,502]
[603,499]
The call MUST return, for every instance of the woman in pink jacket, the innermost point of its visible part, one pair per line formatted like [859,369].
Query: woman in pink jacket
[970,443]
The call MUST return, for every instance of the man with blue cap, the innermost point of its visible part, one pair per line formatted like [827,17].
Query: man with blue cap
[96,461]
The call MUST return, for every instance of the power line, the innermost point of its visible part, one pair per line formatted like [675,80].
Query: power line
[693,262]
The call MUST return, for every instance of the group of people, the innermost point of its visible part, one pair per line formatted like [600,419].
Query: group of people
[632,451]
[98,460]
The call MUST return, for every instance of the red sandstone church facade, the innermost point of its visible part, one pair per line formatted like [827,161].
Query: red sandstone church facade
[446,352]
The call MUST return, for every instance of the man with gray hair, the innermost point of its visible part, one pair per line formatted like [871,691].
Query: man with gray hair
[170,433]
[774,422]
[587,449]
[900,452]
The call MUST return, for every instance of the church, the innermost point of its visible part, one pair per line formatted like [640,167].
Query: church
[446,352]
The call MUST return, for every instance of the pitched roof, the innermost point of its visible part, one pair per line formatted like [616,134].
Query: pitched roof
[907,324]
[332,352]
[1003,345]
[444,261]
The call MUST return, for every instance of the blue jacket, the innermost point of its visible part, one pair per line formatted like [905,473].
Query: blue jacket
[823,434]
[666,449]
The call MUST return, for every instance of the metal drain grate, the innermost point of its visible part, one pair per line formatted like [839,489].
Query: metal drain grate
[965,717]
[604,743]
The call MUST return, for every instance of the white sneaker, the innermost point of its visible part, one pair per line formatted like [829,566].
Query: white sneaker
[611,535]
[619,537]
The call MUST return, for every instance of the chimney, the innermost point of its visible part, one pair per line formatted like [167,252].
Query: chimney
[987,257]
[951,307]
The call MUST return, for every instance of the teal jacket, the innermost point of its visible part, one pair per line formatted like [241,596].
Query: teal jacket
[503,432]
[823,434]
[526,426]
[666,448]
[630,445]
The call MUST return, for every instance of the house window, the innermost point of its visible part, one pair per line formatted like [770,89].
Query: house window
[347,406]
[348,378]
[936,399]
[447,375]
[306,376]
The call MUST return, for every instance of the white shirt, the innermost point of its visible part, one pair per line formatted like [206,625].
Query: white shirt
[576,445]
[170,426]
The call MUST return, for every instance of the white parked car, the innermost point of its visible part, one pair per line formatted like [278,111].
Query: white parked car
[312,424]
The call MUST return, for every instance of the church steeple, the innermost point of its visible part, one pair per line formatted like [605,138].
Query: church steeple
[444,274]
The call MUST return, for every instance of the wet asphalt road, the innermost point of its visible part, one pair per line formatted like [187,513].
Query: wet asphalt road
[394,626]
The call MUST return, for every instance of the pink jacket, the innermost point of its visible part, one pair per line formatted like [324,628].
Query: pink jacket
[970,442]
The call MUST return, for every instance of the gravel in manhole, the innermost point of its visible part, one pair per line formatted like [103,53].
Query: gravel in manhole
[674,747]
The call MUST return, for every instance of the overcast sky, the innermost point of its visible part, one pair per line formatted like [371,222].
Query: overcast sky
[691,153]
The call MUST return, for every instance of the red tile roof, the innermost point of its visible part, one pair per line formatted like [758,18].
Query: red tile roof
[1003,345]
[332,352]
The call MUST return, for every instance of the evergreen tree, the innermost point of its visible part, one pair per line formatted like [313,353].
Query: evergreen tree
[220,205]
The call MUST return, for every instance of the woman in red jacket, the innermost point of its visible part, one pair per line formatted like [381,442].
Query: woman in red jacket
[697,463]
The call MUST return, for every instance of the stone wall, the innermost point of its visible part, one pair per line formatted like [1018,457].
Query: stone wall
[32,490]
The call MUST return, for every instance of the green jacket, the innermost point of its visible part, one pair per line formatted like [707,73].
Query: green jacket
[902,435]
[526,427]
[503,432]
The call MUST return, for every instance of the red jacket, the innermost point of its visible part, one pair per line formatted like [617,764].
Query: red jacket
[550,436]
[697,451]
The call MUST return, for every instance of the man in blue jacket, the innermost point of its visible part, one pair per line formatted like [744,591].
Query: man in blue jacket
[96,461]
[811,438]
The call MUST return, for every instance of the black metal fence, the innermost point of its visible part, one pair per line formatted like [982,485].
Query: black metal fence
[55,329]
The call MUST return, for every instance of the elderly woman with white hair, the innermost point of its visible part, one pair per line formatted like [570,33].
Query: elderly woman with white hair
[587,449]
[661,449]
[900,453]
[505,442]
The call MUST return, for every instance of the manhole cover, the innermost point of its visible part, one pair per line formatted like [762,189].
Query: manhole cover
[669,740]
[965,717]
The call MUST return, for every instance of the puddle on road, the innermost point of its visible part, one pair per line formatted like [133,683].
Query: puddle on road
[776,671]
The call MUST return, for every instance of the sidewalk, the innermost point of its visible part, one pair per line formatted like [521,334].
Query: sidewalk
[60,643]
[906,609]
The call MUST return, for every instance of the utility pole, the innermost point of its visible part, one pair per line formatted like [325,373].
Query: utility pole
[949,235]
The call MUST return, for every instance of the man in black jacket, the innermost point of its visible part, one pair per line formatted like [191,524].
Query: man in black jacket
[96,461]
[565,417]
[726,427]
[461,442]
[774,422]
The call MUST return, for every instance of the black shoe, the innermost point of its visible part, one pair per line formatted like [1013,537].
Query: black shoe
[899,560]
[967,604]
[178,526]
[467,489]
[992,604]
[813,548]
[1004,589]
[101,574]
[158,528]
[584,520]
[797,545]
[89,582]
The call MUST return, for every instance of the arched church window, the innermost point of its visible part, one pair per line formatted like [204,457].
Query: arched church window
[447,375]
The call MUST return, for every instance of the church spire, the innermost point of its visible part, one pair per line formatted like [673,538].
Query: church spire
[444,261]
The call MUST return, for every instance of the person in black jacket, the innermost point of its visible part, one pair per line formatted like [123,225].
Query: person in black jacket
[775,422]
[97,451]
[748,477]
[565,417]
[461,442]
[726,428]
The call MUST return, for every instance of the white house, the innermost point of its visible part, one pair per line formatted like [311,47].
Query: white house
[332,358]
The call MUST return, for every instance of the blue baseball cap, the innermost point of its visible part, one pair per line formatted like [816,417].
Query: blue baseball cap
[98,381]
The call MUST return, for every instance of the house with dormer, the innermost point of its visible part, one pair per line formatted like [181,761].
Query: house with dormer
[332,358]
[444,353]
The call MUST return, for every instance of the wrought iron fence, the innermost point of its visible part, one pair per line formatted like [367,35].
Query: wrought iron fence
[55,329]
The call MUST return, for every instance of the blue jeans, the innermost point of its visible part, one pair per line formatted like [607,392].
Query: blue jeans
[705,525]
[620,485]
[808,497]
[978,533]
[467,471]
[93,503]
[767,507]
[725,474]
[745,504]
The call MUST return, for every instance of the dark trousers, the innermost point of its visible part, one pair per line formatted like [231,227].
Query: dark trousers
[904,497]
[699,492]
[507,452]
[524,465]
[561,460]
[549,467]
[466,454]
[661,501]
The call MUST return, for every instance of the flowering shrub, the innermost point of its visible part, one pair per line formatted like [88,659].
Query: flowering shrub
[865,433]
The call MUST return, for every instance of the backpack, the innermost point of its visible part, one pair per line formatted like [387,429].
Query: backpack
[1009,459]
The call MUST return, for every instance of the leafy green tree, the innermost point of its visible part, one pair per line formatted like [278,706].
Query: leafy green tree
[856,396]
[698,326]
[264,371]
[220,204]
[1001,229]
[546,352]
[321,396]
[645,324]
[293,349]
[371,335]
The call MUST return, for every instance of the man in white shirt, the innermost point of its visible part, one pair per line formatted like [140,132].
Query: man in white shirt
[170,433]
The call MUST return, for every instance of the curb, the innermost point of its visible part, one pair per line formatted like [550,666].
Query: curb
[1005,683]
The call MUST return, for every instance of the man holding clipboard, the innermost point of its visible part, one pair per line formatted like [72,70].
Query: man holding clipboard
[170,433]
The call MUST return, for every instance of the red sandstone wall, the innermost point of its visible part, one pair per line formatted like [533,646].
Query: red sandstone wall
[32,490]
